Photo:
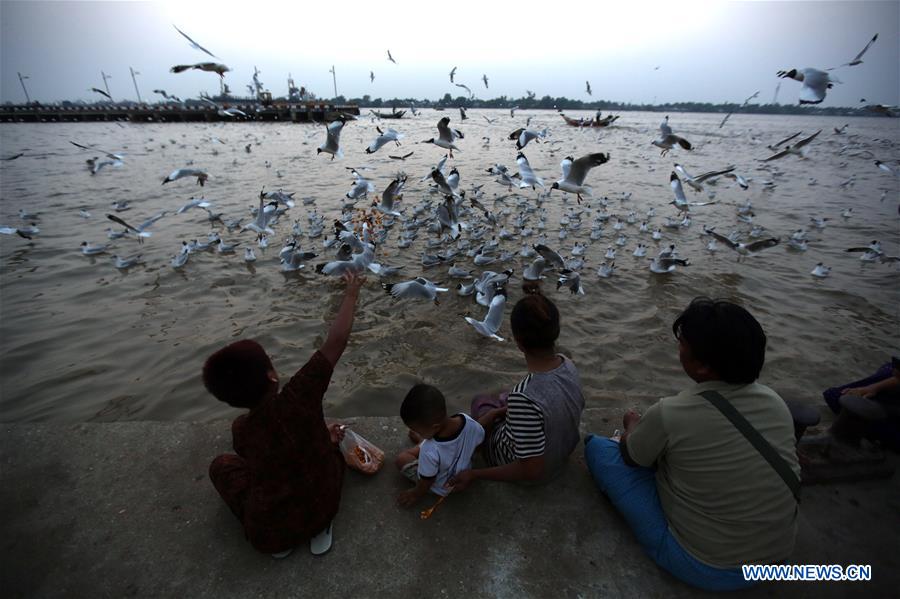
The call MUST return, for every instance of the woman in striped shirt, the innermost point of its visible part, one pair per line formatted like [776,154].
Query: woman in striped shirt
[534,428]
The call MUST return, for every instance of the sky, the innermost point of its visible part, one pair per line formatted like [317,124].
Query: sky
[705,51]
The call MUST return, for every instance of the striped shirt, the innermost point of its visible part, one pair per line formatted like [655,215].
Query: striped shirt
[542,419]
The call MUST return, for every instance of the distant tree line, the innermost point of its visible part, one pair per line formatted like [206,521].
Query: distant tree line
[562,103]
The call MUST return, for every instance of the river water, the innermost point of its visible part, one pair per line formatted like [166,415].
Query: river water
[83,341]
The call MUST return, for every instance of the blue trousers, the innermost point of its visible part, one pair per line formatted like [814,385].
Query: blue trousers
[633,492]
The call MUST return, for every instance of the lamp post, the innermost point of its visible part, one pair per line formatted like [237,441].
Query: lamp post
[22,81]
[106,85]
[334,78]
[136,90]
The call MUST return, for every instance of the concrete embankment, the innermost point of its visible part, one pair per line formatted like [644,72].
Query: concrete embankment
[126,509]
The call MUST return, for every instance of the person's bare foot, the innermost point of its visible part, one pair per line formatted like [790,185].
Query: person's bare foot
[415,437]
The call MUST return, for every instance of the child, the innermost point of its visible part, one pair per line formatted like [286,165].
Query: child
[284,480]
[445,444]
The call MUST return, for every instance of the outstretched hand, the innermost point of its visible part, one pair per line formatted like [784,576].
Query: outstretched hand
[868,392]
[354,281]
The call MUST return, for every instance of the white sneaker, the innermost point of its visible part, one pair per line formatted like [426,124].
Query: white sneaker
[321,543]
[283,554]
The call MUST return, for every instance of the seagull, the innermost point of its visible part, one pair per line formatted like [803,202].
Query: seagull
[528,176]
[588,87]
[550,256]
[249,256]
[886,167]
[210,67]
[815,83]
[187,172]
[127,262]
[193,203]
[820,271]
[452,74]
[392,193]
[195,44]
[667,140]
[606,270]
[91,250]
[391,58]
[574,172]
[101,92]
[462,113]
[745,249]
[404,157]
[332,141]
[697,182]
[15,231]
[494,318]
[446,136]
[512,112]
[680,201]
[371,76]
[165,95]
[418,288]
[796,149]
[485,79]
[727,116]
[95,166]
[523,136]
[570,279]
[140,229]
[448,216]
[465,87]
[663,265]
[110,155]
[535,270]
[264,214]
[858,59]
[383,138]
[180,259]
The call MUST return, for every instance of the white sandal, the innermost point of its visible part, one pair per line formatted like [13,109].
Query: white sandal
[321,543]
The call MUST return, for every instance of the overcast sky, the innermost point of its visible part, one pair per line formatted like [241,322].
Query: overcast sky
[705,51]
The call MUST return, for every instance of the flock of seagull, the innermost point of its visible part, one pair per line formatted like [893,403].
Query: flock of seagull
[463,224]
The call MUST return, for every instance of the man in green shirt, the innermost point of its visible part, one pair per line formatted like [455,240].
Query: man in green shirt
[701,498]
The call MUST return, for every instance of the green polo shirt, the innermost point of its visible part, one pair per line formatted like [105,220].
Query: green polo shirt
[723,501]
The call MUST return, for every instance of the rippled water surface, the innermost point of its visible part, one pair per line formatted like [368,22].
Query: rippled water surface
[81,340]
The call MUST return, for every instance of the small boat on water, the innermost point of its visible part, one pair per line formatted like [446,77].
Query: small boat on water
[395,114]
[604,122]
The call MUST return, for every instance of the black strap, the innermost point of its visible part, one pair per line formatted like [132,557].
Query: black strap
[756,439]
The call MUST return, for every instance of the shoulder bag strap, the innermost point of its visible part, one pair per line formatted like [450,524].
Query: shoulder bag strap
[756,439]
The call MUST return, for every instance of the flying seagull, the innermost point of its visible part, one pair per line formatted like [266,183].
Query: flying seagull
[588,88]
[815,83]
[667,140]
[371,76]
[574,172]
[485,79]
[195,44]
[452,74]
[796,149]
[745,249]
[101,92]
[391,58]
[210,67]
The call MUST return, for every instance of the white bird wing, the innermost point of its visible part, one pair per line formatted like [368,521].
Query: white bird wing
[806,140]
[494,317]
[566,167]
[677,189]
[199,47]
[664,129]
[871,41]
[723,239]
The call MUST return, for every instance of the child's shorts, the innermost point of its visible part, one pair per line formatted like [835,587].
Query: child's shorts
[411,471]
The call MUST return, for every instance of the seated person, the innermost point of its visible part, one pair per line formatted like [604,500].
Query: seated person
[701,499]
[530,432]
[284,484]
[445,444]
[876,416]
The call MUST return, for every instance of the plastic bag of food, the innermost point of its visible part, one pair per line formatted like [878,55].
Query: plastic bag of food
[360,454]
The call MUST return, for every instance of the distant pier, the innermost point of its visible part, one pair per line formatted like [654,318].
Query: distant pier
[302,112]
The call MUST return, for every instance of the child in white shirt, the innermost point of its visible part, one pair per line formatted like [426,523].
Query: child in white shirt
[445,443]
